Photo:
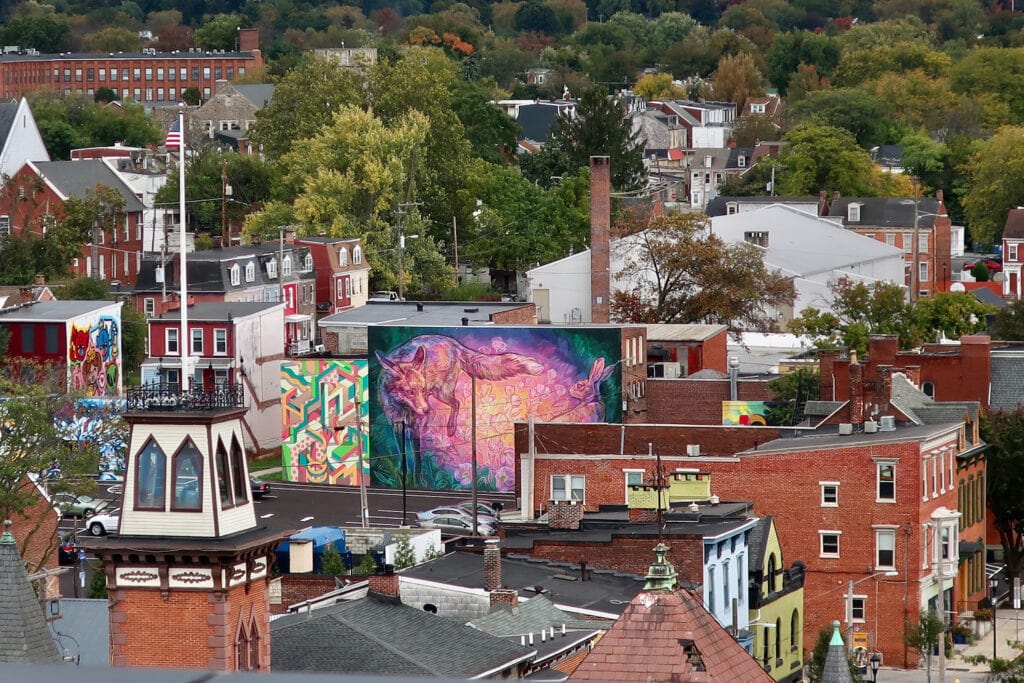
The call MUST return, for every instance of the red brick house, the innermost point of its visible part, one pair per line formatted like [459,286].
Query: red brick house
[1013,252]
[342,273]
[33,201]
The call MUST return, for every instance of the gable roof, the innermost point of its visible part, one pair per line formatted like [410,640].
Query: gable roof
[8,110]
[24,635]
[257,93]
[1014,228]
[384,637]
[80,177]
[536,120]
[668,636]
[757,542]
[887,212]
[532,616]
[923,409]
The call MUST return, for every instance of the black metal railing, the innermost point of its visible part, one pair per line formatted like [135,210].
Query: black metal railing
[169,397]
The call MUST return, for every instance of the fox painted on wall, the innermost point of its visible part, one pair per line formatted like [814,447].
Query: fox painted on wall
[422,404]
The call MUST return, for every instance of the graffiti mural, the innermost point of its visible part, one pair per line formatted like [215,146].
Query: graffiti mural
[422,404]
[744,412]
[97,421]
[320,435]
[94,355]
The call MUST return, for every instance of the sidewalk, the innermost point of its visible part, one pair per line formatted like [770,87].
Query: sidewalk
[1009,628]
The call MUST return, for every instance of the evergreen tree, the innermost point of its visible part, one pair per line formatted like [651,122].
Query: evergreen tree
[331,563]
[405,556]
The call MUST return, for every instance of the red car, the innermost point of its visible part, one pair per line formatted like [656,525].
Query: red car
[993,265]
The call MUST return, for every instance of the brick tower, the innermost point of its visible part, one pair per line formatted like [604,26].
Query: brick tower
[187,572]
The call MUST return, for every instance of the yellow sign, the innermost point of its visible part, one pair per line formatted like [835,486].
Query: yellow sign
[860,639]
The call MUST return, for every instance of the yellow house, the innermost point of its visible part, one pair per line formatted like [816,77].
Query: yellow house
[776,605]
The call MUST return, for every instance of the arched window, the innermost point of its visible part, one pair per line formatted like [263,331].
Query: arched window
[778,638]
[187,477]
[307,264]
[343,257]
[286,265]
[272,268]
[794,630]
[223,476]
[236,275]
[357,254]
[929,389]
[772,571]
[150,478]
[250,271]
[765,635]
[241,486]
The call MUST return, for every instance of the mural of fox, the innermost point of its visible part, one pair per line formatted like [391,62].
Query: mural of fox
[429,366]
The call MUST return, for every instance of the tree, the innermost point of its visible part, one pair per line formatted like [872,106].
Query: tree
[405,556]
[753,129]
[193,98]
[97,589]
[219,32]
[737,79]
[491,132]
[858,310]
[681,273]
[993,72]
[658,86]
[47,34]
[113,39]
[1004,473]
[995,185]
[331,563]
[105,95]
[854,110]
[791,390]
[789,50]
[924,635]
[950,315]
[814,667]
[1009,322]
[599,128]
[537,16]
[820,157]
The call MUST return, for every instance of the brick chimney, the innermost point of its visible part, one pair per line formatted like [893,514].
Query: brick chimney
[882,348]
[505,597]
[492,565]
[856,392]
[248,39]
[564,514]
[884,386]
[40,279]
[600,237]
[913,373]
[386,582]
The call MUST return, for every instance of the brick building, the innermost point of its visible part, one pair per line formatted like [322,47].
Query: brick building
[33,200]
[152,78]
[342,273]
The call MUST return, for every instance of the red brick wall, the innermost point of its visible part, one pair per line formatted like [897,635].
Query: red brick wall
[36,533]
[697,401]
[300,587]
[714,353]
[187,629]
[522,315]
[600,231]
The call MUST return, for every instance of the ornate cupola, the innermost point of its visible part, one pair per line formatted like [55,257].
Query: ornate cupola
[187,570]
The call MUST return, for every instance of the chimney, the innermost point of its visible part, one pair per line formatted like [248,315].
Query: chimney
[564,514]
[289,235]
[40,279]
[385,582]
[492,565]
[938,195]
[913,373]
[600,236]
[505,597]
[856,391]
[248,39]
[884,385]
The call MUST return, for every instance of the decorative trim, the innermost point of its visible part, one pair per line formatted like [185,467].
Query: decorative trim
[191,578]
[137,576]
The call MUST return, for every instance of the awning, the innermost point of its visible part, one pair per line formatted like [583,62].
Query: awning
[297,318]
[969,547]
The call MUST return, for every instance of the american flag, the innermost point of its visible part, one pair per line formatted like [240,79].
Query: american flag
[173,136]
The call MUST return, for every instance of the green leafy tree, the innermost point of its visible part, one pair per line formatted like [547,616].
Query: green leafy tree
[854,110]
[219,32]
[789,50]
[598,129]
[405,556]
[537,17]
[1004,475]
[683,273]
[193,98]
[97,589]
[1009,322]
[791,390]
[995,73]
[950,315]
[753,129]
[105,95]
[491,132]
[48,34]
[858,310]
[924,635]
[68,121]
[995,184]
[814,667]
[331,563]
[366,566]
[980,272]
[820,157]
[113,39]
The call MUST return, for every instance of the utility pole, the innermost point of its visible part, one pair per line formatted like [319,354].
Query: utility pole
[472,439]
[225,238]
[364,506]
[915,284]
[455,243]
[94,271]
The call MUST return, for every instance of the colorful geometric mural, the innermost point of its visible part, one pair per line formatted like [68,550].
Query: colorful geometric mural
[422,405]
[321,439]
[744,412]
[94,355]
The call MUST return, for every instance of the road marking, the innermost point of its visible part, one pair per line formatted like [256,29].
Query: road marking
[307,518]
[267,516]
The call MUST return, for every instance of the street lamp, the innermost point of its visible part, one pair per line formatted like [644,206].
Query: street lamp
[993,584]
[876,661]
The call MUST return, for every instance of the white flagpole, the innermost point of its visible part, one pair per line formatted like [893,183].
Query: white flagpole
[183,271]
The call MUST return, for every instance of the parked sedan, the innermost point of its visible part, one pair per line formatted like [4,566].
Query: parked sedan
[446,511]
[105,522]
[485,511]
[993,265]
[67,551]
[258,487]
[454,525]
[77,506]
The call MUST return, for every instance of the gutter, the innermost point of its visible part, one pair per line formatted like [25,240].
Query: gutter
[487,674]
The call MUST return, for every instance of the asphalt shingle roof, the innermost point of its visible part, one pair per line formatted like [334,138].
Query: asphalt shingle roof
[1007,386]
[1014,228]
[257,93]
[79,178]
[52,311]
[378,636]
[24,635]
[532,616]
[888,212]
[8,110]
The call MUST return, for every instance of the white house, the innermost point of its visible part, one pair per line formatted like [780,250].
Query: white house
[814,252]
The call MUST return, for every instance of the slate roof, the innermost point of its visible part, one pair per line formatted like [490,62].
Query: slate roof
[1007,385]
[605,591]
[887,212]
[1014,228]
[668,636]
[8,110]
[923,409]
[24,635]
[987,296]
[837,666]
[757,543]
[531,616]
[384,637]
[209,270]
[220,311]
[257,93]
[78,178]
[718,206]
[536,120]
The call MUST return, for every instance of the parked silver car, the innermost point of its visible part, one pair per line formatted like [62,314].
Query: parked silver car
[454,525]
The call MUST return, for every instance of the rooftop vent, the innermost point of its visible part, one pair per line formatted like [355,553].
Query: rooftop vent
[693,449]
[888,423]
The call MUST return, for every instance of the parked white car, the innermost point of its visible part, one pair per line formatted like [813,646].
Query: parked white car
[104,522]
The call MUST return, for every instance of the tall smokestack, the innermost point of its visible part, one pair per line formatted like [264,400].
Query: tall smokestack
[600,228]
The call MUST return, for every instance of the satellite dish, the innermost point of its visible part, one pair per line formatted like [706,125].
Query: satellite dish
[957,287]
[999,277]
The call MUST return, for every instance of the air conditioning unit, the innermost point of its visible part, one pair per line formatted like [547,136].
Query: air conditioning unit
[693,449]
[888,423]
[870,427]
[663,370]
[845,429]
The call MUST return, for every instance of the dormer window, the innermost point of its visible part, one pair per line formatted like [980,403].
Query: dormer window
[757,107]
[250,271]
[853,213]
[742,161]
[343,257]
[272,268]
[236,275]
[307,263]
[286,265]
[357,255]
